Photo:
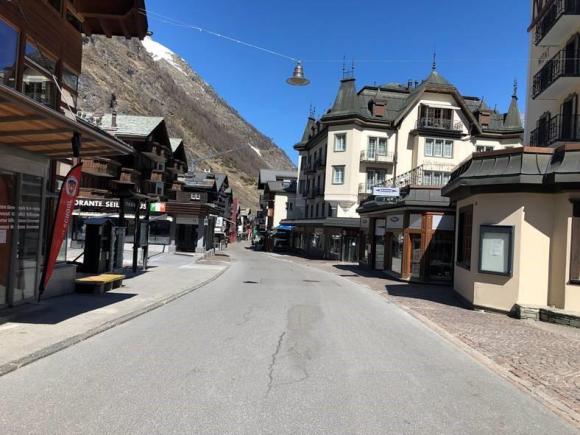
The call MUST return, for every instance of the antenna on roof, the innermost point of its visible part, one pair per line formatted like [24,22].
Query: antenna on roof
[343,67]
[434,66]
[311,111]
[515,95]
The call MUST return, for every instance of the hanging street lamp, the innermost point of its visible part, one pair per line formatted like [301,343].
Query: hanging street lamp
[298,78]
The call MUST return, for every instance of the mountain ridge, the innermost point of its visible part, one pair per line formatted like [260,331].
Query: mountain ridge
[149,79]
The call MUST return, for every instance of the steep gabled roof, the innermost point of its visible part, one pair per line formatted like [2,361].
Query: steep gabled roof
[267,175]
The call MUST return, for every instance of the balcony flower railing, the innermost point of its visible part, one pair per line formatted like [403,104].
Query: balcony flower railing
[556,10]
[561,65]
[438,123]
[375,157]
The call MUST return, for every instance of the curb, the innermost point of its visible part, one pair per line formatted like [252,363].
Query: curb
[68,342]
[554,405]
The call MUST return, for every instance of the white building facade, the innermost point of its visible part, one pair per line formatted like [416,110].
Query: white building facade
[552,117]
[390,135]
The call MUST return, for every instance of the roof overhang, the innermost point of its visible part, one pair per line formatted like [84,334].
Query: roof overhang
[30,126]
[126,18]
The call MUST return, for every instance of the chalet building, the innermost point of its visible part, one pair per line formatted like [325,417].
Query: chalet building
[202,210]
[40,62]
[518,211]
[552,113]
[125,187]
[278,198]
[389,135]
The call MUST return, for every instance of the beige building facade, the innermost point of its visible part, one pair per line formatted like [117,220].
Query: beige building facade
[518,228]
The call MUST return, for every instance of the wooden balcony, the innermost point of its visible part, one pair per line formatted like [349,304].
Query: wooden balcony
[156,152]
[128,176]
[176,167]
[90,192]
[101,167]
[156,176]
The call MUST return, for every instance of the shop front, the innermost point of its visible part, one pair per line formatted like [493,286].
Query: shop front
[22,210]
[412,241]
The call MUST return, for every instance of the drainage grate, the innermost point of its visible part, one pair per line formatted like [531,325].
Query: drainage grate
[250,282]
[309,280]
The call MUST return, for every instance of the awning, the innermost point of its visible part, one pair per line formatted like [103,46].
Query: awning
[439,105]
[28,125]
[126,18]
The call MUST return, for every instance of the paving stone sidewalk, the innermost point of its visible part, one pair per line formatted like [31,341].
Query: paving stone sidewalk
[39,330]
[542,358]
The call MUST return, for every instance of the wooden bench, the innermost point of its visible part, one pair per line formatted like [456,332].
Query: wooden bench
[99,283]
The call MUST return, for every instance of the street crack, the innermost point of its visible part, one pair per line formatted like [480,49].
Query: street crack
[273,363]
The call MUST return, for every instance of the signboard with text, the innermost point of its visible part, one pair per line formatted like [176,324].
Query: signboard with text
[389,192]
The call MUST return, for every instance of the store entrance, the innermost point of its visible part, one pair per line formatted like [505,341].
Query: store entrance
[186,238]
[20,235]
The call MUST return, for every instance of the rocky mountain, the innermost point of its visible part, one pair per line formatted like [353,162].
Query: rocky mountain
[149,79]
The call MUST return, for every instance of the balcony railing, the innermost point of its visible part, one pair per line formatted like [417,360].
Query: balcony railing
[314,165]
[560,128]
[430,174]
[556,10]
[438,124]
[313,192]
[561,65]
[374,156]
[367,188]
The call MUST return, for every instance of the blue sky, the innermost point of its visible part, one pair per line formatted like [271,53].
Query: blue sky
[481,47]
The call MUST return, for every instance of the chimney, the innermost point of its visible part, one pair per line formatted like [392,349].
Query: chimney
[378,109]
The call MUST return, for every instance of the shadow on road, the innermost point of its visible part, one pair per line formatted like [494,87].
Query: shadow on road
[58,309]
[440,294]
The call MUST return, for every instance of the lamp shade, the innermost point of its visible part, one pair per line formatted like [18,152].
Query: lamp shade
[298,78]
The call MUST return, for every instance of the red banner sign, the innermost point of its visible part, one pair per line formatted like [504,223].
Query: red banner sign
[66,204]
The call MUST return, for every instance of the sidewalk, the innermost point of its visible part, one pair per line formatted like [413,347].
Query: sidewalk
[54,324]
[541,358]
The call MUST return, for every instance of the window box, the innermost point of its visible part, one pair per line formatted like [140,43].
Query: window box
[496,249]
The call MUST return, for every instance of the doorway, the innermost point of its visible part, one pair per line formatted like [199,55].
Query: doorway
[416,255]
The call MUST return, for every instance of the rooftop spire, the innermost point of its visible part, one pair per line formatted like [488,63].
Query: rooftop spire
[512,117]
[434,66]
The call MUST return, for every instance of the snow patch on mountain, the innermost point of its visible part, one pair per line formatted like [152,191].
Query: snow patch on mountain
[160,52]
[256,150]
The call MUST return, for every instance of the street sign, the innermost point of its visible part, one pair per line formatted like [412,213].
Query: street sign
[390,192]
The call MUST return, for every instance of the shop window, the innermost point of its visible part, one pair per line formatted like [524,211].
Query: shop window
[495,249]
[8,54]
[440,256]
[464,236]
[575,245]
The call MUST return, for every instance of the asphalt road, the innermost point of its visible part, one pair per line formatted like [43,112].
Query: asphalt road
[270,347]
